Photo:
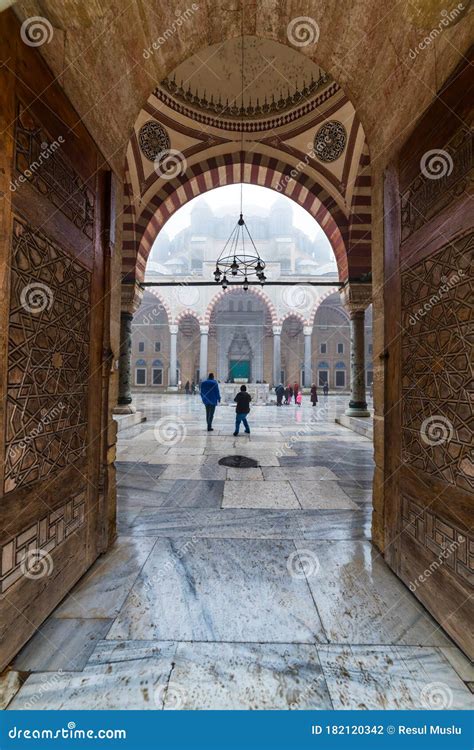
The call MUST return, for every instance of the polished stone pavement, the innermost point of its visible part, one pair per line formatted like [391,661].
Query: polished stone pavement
[242,588]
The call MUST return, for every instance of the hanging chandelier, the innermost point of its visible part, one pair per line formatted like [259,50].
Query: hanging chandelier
[235,259]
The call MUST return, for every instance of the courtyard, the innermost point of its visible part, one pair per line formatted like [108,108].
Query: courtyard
[233,588]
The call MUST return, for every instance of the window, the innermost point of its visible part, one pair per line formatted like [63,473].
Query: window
[340,378]
[157,346]
[141,346]
[323,348]
[140,376]
[157,375]
[370,377]
[322,377]
[340,348]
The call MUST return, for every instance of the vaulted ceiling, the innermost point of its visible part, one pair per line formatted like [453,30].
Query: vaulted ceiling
[110,55]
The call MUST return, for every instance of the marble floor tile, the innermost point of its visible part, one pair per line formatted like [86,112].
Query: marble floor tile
[172,459]
[132,684]
[61,644]
[321,495]
[219,590]
[102,591]
[248,494]
[242,677]
[232,523]
[189,493]
[460,663]
[211,471]
[392,678]
[361,601]
[110,652]
[245,474]
[298,473]
[10,683]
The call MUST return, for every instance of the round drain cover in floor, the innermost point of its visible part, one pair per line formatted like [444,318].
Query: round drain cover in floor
[239,462]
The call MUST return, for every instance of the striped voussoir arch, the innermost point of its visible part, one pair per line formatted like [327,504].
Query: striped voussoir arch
[360,219]
[255,291]
[328,293]
[258,169]
[188,314]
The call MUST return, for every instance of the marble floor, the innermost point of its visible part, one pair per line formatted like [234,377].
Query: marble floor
[241,588]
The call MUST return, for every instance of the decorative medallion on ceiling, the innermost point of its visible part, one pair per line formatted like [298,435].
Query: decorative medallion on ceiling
[330,141]
[153,139]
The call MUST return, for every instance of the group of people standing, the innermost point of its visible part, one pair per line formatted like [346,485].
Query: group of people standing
[210,395]
[294,391]
[190,388]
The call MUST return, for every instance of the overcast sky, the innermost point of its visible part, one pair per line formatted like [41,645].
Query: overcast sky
[254,195]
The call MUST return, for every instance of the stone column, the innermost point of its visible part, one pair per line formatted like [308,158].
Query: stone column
[131,296]
[173,355]
[356,298]
[308,375]
[124,403]
[276,355]
[204,330]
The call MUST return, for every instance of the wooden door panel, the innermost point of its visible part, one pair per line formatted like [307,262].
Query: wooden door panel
[430,508]
[53,310]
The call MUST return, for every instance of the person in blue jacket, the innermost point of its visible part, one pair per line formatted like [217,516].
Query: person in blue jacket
[210,398]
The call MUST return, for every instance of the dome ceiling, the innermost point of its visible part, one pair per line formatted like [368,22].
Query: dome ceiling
[276,79]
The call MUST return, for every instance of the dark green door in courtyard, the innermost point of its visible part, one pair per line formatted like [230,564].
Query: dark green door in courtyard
[239,368]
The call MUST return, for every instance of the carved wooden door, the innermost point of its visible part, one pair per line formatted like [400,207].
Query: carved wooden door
[51,216]
[429,388]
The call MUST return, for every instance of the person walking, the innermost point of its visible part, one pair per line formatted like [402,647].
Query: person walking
[210,396]
[193,388]
[325,389]
[298,398]
[242,408]
[280,392]
[296,389]
[287,394]
[186,388]
[314,394]
[290,394]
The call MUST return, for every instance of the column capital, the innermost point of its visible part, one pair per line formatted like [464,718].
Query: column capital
[173,328]
[356,297]
[204,330]
[276,330]
[307,330]
[131,295]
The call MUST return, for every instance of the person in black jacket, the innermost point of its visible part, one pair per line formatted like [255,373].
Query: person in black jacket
[280,392]
[242,408]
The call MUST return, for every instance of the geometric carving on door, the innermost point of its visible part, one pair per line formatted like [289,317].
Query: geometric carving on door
[42,164]
[443,178]
[437,356]
[448,543]
[48,359]
[43,536]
